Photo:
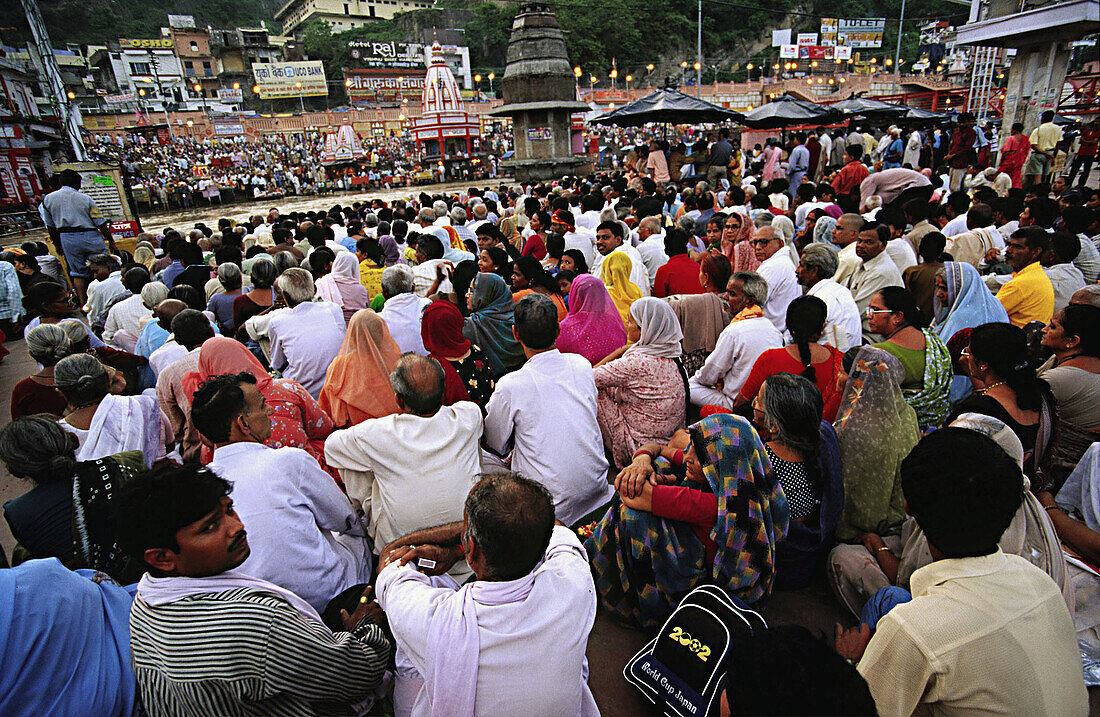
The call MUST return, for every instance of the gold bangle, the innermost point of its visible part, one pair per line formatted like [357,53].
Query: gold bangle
[879,550]
[1054,507]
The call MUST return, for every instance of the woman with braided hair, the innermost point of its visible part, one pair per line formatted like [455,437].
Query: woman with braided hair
[818,363]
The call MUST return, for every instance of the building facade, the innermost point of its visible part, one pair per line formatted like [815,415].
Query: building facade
[342,14]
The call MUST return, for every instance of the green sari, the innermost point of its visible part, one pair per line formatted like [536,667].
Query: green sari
[927,379]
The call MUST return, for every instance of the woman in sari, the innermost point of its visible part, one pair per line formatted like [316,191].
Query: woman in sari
[343,286]
[876,429]
[489,323]
[703,316]
[530,277]
[615,272]
[654,545]
[357,384]
[823,230]
[106,424]
[297,420]
[877,561]
[893,314]
[593,327]
[736,233]
[805,458]
[772,155]
[466,372]
[66,514]
[962,302]
[642,387]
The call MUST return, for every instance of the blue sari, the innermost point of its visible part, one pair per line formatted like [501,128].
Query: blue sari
[490,322]
[65,647]
[644,565]
[969,305]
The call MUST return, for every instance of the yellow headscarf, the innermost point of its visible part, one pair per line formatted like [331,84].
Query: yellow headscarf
[615,273]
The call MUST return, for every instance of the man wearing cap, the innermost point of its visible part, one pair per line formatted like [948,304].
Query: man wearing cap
[561,221]
[77,228]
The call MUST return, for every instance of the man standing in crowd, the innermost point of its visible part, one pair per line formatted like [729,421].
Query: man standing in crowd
[77,228]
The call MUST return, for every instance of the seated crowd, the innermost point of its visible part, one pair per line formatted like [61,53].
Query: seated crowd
[372,459]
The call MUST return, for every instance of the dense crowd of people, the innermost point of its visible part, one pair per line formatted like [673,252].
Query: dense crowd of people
[376,457]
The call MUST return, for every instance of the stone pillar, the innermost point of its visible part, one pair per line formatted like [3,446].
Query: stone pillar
[1034,83]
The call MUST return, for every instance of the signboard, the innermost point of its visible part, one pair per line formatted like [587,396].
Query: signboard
[816,52]
[164,136]
[228,129]
[781,37]
[383,83]
[104,185]
[231,95]
[388,54]
[156,43]
[181,22]
[125,230]
[859,32]
[807,38]
[539,133]
[788,52]
[280,80]
[121,98]
[843,53]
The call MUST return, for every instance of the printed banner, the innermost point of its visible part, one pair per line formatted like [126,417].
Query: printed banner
[279,80]
[383,84]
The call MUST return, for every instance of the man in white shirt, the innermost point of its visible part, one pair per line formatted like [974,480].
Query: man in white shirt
[304,533]
[403,309]
[481,216]
[845,234]
[429,255]
[126,315]
[843,325]
[410,470]
[305,340]
[513,641]
[651,245]
[105,289]
[591,205]
[876,272]
[609,238]
[984,631]
[958,203]
[972,245]
[545,414]
[778,270]
[748,335]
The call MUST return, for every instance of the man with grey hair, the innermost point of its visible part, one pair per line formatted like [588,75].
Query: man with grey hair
[524,649]
[426,219]
[748,335]
[843,324]
[306,339]
[550,402]
[403,309]
[845,234]
[105,289]
[777,268]
[458,223]
[439,208]
[651,244]
[1089,296]
[370,225]
[411,470]
[481,216]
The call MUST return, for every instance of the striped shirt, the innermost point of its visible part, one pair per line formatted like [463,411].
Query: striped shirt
[247,652]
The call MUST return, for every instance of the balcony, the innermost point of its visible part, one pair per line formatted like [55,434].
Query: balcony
[1038,23]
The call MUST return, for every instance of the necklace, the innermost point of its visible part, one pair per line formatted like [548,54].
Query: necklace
[991,386]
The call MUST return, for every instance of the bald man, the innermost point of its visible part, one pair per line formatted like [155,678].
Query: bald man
[411,470]
[170,349]
[651,244]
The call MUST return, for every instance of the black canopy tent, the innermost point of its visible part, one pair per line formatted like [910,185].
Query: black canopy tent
[666,105]
[786,111]
[872,109]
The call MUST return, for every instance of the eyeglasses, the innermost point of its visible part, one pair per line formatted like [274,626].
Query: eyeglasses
[872,311]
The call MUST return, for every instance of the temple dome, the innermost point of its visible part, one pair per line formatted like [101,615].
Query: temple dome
[441,93]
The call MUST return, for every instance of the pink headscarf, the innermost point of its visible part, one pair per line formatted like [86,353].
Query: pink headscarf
[593,327]
[740,253]
[342,286]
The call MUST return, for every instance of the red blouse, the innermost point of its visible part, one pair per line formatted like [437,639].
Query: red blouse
[775,361]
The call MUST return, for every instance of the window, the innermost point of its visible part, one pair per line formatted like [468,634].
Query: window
[189,68]
[139,68]
[194,46]
[347,9]
[207,69]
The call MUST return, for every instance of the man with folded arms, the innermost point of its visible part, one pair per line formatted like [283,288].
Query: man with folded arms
[534,596]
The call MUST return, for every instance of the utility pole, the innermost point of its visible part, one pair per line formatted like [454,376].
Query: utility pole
[699,54]
[897,51]
[67,113]
[154,65]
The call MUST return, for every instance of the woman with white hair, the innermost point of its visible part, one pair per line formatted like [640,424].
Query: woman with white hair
[106,424]
[221,304]
[47,344]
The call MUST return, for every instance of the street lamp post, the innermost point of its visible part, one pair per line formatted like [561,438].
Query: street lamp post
[477,84]
[577,74]
[629,79]
[200,93]
[301,102]
[698,67]
[614,76]
[492,76]
[648,72]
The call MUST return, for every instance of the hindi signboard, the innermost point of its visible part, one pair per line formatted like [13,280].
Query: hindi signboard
[861,32]
[788,52]
[383,83]
[807,38]
[280,80]
[231,95]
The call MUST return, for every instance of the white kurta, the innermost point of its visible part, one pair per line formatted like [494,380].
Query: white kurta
[545,413]
[409,472]
[402,314]
[531,656]
[843,324]
[305,340]
[783,288]
[292,511]
[737,348]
